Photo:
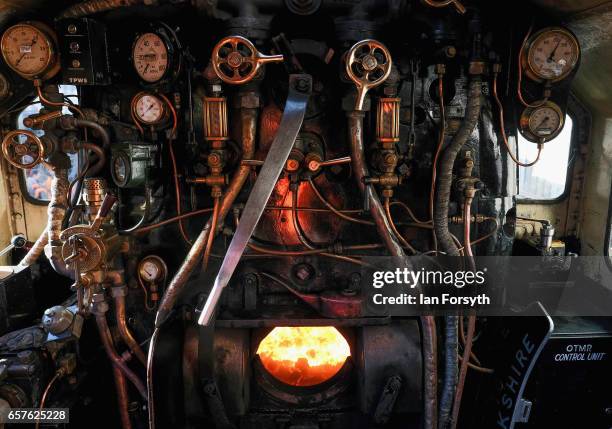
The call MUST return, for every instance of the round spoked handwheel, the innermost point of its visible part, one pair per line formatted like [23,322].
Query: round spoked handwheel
[23,149]
[237,61]
[443,3]
[368,64]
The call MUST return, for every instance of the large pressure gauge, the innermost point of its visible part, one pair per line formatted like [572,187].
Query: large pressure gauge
[148,109]
[551,55]
[543,123]
[29,48]
[156,55]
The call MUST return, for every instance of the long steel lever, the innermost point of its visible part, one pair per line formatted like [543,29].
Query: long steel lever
[300,88]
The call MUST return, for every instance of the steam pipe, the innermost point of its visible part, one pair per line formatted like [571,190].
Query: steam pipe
[83,123]
[35,251]
[91,7]
[93,171]
[428,323]
[248,120]
[355,134]
[445,176]
[109,348]
[56,211]
[122,398]
[119,293]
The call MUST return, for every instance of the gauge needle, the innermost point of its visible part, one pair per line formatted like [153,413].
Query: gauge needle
[24,54]
[546,119]
[551,58]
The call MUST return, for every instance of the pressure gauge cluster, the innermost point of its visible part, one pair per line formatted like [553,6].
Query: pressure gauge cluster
[551,55]
[156,56]
[30,49]
[542,123]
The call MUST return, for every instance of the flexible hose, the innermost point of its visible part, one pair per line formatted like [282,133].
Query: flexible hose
[447,163]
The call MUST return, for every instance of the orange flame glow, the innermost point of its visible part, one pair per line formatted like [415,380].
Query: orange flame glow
[303,356]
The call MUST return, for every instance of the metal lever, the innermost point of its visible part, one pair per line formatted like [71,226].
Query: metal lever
[107,204]
[17,242]
[300,88]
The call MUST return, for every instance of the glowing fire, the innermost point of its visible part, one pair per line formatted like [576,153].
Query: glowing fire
[303,356]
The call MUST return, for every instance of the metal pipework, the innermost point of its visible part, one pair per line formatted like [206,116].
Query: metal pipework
[249,114]
[94,191]
[119,293]
[56,211]
[386,157]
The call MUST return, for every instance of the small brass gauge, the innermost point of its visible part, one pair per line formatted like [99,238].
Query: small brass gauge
[542,124]
[551,55]
[152,269]
[29,48]
[149,109]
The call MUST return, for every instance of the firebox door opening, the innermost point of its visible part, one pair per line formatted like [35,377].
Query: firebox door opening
[303,356]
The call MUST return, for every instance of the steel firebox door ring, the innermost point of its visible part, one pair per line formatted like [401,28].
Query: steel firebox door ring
[300,88]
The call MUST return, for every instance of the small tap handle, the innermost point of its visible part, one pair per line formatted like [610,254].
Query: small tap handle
[107,204]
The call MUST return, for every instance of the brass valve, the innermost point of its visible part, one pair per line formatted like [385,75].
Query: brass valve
[23,149]
[235,60]
[368,65]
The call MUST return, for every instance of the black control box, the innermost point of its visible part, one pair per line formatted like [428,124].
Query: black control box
[84,52]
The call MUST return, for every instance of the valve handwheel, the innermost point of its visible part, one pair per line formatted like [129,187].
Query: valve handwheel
[368,64]
[443,3]
[237,61]
[23,149]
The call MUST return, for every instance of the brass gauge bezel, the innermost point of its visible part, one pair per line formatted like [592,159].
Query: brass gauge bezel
[529,51]
[526,125]
[164,114]
[52,64]
[161,266]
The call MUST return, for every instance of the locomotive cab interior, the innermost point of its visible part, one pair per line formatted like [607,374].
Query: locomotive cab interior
[242,213]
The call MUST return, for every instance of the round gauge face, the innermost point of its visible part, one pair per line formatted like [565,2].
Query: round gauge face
[150,57]
[553,54]
[545,122]
[27,50]
[150,271]
[120,170]
[149,109]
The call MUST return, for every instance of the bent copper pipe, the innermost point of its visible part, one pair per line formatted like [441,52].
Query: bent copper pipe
[122,398]
[109,348]
[248,118]
[124,331]
[428,324]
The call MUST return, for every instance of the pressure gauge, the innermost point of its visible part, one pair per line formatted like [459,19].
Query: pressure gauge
[148,108]
[156,55]
[121,169]
[551,54]
[152,269]
[542,124]
[29,49]
[150,57]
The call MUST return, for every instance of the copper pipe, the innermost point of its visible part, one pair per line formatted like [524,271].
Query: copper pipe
[43,399]
[467,220]
[48,102]
[428,324]
[502,127]
[109,348]
[519,91]
[467,350]
[248,120]
[124,331]
[411,213]
[333,209]
[122,398]
[177,185]
[211,237]
[171,220]
[296,221]
[394,228]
